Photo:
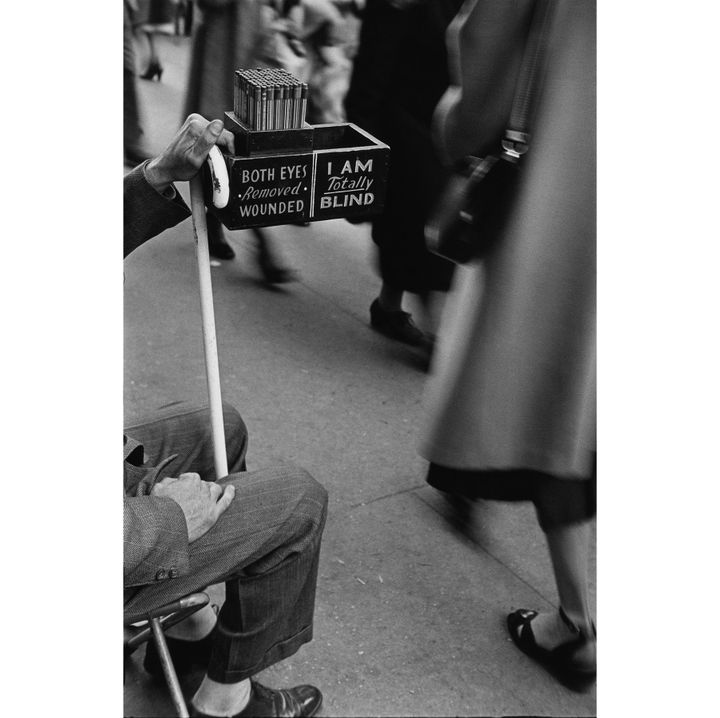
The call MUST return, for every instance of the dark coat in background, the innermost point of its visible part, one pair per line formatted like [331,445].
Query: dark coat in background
[399,75]
[226,40]
[154,13]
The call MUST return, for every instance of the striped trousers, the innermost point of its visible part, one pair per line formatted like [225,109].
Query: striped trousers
[265,546]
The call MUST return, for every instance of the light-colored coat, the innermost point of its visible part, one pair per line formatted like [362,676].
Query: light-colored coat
[514,382]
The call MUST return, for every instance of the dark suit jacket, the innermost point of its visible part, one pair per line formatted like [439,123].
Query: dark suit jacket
[155,532]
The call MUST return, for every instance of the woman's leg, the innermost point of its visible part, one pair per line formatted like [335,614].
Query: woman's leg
[565,508]
[569,550]
[569,547]
[154,59]
[154,68]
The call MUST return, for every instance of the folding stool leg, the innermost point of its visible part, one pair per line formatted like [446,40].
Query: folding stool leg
[168,669]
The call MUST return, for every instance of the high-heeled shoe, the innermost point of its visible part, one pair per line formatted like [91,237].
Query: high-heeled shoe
[569,663]
[154,69]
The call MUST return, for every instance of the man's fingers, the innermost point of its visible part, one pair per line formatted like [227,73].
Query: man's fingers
[215,490]
[160,485]
[226,499]
[190,475]
[227,140]
[208,137]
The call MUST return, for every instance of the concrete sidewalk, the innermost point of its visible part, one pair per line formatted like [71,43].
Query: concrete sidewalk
[410,612]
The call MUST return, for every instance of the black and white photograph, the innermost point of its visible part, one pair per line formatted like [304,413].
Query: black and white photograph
[359,245]
[353,347]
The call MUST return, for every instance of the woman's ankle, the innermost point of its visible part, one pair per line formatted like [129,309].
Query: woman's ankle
[578,621]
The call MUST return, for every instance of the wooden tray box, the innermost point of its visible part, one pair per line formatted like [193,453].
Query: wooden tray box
[309,174]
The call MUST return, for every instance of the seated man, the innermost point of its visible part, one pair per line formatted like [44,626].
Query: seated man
[185,528]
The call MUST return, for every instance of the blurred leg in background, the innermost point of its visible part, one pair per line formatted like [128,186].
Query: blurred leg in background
[155,16]
[228,37]
[132,130]
[399,74]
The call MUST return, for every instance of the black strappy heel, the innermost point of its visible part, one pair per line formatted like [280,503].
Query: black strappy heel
[562,661]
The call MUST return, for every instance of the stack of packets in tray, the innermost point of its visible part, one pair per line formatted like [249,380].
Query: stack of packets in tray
[270,99]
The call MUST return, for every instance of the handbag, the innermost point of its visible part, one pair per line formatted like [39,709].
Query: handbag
[476,200]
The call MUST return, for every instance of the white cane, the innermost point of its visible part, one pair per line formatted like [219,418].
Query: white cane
[221,194]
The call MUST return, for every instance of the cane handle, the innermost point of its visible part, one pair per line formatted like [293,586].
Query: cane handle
[219,177]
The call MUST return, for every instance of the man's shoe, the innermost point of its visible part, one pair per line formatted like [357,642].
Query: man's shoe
[219,248]
[287,703]
[184,654]
[274,273]
[396,325]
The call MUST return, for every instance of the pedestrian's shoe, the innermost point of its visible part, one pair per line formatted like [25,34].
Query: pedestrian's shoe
[288,702]
[184,654]
[155,69]
[219,247]
[571,662]
[396,325]
[274,273]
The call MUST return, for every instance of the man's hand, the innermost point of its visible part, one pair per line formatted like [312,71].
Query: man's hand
[202,502]
[184,156]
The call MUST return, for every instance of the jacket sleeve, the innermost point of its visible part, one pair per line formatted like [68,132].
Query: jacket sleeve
[485,44]
[155,540]
[146,212]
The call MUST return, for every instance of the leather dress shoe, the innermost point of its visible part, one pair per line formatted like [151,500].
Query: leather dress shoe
[219,248]
[274,273]
[285,703]
[396,325]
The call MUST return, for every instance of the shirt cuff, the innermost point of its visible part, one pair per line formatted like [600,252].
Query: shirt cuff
[168,193]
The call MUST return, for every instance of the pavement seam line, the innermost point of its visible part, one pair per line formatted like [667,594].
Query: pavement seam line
[385,496]
[485,550]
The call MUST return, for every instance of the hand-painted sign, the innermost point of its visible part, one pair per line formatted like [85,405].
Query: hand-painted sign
[344,175]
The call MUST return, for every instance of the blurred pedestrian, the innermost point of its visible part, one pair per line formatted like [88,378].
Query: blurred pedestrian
[155,17]
[184,13]
[399,74]
[229,37]
[134,151]
[511,405]
[324,33]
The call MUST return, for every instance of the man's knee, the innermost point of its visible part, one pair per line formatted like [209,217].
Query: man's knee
[313,490]
[308,496]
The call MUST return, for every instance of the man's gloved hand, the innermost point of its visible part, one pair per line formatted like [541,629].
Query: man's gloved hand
[184,156]
[202,502]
